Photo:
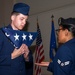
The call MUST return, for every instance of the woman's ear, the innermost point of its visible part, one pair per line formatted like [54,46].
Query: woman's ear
[66,32]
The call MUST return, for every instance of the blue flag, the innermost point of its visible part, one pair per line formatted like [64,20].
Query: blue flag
[52,42]
[19,37]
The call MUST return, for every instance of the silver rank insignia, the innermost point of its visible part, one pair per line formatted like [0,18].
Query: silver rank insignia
[63,63]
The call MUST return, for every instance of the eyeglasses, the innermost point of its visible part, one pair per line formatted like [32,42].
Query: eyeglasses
[58,30]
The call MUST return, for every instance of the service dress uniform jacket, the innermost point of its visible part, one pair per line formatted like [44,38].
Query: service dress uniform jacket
[64,61]
[10,66]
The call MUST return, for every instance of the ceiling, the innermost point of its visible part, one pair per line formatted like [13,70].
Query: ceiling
[38,6]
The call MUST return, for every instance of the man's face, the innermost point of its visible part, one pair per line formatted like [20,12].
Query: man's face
[61,35]
[18,21]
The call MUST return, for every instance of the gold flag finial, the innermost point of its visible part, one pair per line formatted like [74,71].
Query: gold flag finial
[52,16]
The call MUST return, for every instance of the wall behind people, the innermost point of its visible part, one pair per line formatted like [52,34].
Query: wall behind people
[1,13]
[5,10]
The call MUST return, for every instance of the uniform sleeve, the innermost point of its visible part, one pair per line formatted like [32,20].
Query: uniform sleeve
[62,62]
[4,59]
[30,57]
[50,67]
[29,64]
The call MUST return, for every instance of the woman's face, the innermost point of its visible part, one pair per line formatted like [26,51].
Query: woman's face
[60,35]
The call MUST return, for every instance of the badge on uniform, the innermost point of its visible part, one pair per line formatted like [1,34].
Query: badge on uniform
[20,37]
[63,63]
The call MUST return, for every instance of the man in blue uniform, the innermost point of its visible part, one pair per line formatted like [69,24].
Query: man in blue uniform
[12,60]
[64,61]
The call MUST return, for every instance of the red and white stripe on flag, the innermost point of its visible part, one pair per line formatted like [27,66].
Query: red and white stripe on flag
[39,52]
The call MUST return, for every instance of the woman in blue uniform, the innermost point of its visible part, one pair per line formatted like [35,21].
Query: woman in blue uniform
[64,61]
[12,60]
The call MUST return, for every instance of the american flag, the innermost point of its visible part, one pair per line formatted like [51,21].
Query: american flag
[17,38]
[39,54]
